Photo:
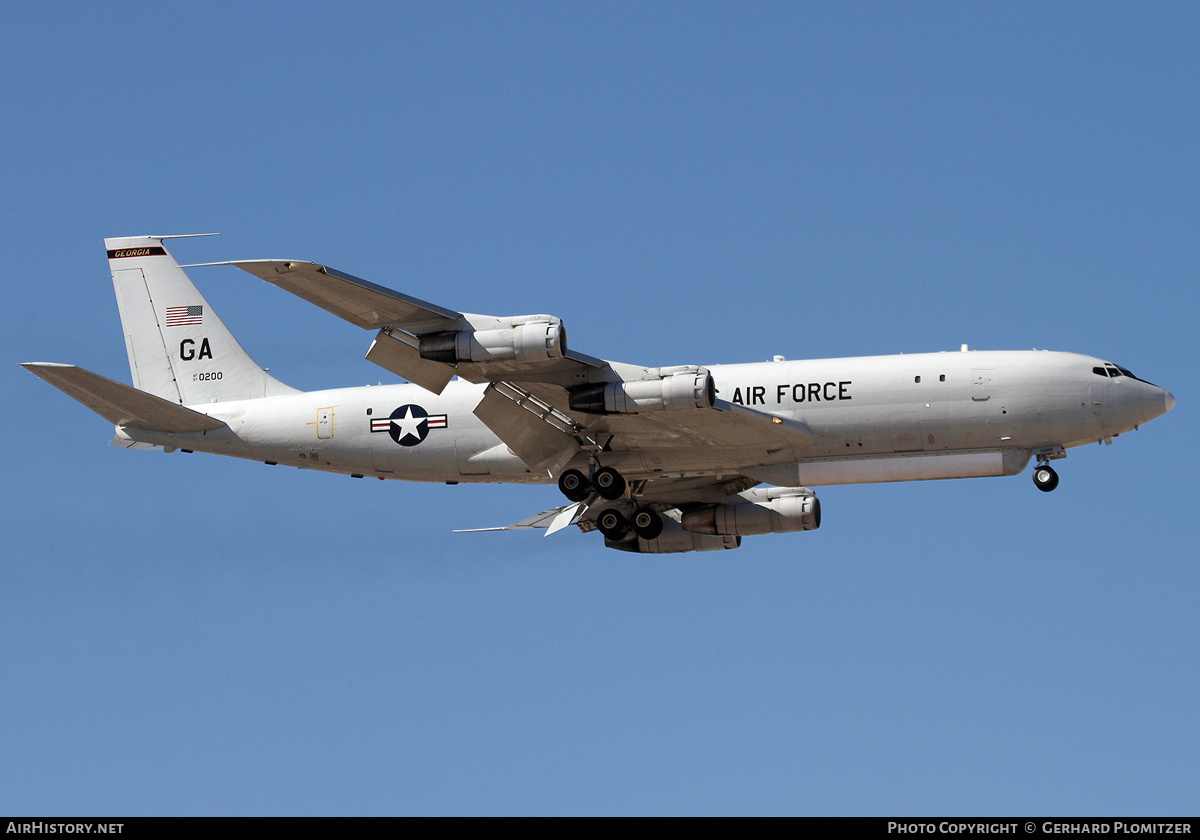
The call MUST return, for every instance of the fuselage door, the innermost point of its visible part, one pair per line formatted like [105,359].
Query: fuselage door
[906,432]
[981,385]
[324,423]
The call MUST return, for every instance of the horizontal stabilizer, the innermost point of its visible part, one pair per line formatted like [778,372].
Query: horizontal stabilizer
[120,404]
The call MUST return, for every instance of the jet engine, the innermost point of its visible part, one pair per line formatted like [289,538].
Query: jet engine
[778,515]
[684,391]
[537,341]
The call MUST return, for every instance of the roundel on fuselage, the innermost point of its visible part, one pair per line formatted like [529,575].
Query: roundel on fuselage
[409,424]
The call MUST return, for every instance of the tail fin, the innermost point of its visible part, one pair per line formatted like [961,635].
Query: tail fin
[178,348]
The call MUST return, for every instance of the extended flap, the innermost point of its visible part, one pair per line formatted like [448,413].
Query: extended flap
[402,359]
[534,439]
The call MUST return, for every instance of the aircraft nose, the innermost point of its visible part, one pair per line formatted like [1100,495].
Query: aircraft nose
[1156,402]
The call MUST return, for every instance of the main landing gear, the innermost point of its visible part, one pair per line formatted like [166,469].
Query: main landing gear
[574,485]
[1045,478]
[607,482]
[611,522]
[645,523]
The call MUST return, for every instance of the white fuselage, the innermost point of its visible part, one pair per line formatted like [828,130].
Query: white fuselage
[882,418]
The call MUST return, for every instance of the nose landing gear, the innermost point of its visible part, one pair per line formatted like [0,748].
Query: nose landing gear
[1045,478]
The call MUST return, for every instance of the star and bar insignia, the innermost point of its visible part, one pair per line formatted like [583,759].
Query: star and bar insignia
[409,424]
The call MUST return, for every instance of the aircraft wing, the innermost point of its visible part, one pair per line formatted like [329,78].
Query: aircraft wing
[533,376]
[358,301]
[407,323]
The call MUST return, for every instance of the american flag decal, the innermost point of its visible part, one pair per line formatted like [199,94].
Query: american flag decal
[182,316]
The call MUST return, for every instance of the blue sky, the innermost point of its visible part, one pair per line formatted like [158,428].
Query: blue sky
[681,183]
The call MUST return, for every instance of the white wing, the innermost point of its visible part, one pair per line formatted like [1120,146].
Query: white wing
[533,376]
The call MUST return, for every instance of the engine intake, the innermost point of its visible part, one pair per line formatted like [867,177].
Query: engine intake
[677,392]
[800,512]
[534,342]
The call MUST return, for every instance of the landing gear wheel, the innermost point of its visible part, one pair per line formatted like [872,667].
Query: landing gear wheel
[646,523]
[608,483]
[1045,478]
[612,524]
[574,485]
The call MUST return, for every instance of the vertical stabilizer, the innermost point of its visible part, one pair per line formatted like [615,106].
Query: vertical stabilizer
[178,348]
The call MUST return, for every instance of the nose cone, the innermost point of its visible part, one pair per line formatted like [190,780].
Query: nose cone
[1156,401]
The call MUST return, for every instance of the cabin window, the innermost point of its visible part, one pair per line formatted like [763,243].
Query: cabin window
[917,379]
[942,378]
[369,412]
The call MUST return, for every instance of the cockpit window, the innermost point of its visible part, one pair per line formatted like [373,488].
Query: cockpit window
[1115,371]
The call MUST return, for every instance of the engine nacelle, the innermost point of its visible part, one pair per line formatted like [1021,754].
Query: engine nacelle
[675,540]
[800,512]
[538,341]
[677,392]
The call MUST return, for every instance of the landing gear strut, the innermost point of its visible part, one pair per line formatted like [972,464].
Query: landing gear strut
[1045,478]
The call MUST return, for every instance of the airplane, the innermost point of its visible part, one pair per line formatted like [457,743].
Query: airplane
[657,459]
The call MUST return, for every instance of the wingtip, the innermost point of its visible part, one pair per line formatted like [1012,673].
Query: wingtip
[31,366]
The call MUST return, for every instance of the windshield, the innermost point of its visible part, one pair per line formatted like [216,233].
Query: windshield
[1113,371]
